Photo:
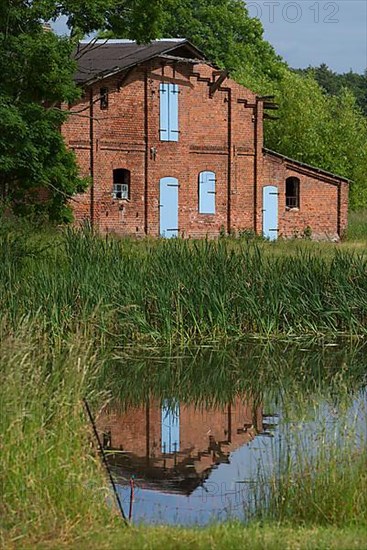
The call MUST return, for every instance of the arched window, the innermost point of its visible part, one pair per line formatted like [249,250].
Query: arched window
[292,192]
[207,182]
[121,184]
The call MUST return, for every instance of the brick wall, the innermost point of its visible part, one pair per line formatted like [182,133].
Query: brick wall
[223,134]
[323,206]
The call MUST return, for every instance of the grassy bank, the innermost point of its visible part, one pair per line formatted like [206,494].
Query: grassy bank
[322,481]
[71,305]
[181,291]
[222,537]
[52,486]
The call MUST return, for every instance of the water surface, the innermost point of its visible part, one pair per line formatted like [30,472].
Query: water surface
[195,433]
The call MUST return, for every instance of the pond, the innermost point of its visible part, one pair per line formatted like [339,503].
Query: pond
[206,434]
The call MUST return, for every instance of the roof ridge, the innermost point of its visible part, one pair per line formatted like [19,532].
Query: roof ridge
[305,165]
[98,59]
[128,41]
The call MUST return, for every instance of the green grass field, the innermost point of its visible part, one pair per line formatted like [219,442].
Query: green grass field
[221,537]
[357,226]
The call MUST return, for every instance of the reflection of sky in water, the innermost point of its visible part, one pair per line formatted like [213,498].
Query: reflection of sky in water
[228,491]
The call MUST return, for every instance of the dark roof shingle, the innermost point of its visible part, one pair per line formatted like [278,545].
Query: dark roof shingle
[97,59]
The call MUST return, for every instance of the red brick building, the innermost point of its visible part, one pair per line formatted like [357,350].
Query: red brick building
[174,147]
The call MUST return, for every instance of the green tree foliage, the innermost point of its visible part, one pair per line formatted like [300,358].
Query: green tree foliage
[36,76]
[333,83]
[36,80]
[138,19]
[348,144]
[225,33]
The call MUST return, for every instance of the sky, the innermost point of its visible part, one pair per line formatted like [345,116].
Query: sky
[311,32]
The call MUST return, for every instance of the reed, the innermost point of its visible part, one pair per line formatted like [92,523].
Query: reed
[268,372]
[357,226]
[318,474]
[71,305]
[52,486]
[180,291]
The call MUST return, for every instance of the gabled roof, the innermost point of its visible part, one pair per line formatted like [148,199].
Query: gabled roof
[319,171]
[98,59]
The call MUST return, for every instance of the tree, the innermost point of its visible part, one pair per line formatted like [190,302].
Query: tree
[37,71]
[348,142]
[138,18]
[303,118]
[225,32]
[332,83]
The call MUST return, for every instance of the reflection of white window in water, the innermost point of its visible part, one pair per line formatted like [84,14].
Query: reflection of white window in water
[170,426]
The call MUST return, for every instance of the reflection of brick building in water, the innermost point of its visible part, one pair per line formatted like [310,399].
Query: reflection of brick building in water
[174,447]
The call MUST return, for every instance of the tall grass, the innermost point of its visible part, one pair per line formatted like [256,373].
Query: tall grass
[52,485]
[328,489]
[180,291]
[357,226]
[318,474]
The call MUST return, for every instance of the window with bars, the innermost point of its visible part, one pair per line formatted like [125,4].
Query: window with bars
[121,184]
[168,95]
[292,192]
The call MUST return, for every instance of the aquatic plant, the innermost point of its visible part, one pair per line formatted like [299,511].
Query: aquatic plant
[51,479]
[318,473]
[181,291]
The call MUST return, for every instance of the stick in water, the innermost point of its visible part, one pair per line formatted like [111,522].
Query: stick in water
[132,493]
[104,460]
